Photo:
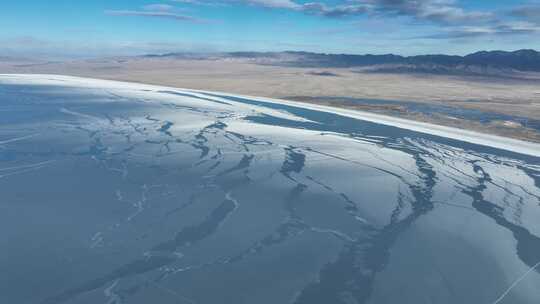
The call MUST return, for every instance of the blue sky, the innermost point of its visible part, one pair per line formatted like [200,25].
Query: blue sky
[129,27]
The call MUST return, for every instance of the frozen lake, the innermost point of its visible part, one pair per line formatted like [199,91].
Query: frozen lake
[126,193]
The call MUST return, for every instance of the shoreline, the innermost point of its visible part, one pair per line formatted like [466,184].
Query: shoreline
[493,123]
[470,136]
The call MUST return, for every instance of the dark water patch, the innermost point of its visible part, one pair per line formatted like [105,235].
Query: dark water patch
[429,109]
[150,118]
[217,125]
[243,164]
[194,96]
[191,235]
[294,162]
[182,107]
[200,141]
[249,140]
[166,127]
[323,73]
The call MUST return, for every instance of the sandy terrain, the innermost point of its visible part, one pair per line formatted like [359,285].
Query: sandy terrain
[520,97]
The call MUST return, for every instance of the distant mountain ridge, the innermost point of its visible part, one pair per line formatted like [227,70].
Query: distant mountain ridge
[526,60]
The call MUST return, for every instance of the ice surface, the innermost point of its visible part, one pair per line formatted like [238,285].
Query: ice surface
[128,193]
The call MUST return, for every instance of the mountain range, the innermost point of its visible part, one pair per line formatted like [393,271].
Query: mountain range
[525,60]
